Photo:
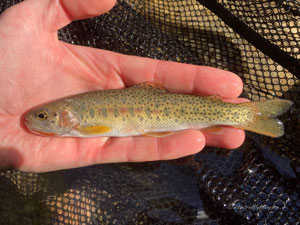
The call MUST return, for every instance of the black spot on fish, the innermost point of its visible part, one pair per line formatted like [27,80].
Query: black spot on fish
[104,112]
[116,112]
[131,111]
[92,113]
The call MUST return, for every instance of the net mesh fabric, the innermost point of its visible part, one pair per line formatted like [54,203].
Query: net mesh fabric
[255,184]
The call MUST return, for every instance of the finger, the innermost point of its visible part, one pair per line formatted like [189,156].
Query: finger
[224,137]
[237,100]
[176,77]
[52,15]
[140,149]
[181,78]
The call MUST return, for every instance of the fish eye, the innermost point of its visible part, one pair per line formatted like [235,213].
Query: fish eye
[42,115]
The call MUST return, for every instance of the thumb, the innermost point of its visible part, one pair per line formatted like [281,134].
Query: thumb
[51,15]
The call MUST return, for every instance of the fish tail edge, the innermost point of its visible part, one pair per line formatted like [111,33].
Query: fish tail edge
[265,121]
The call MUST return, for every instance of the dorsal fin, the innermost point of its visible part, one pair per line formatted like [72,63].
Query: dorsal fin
[215,97]
[152,85]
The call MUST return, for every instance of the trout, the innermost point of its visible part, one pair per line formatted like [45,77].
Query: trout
[149,109]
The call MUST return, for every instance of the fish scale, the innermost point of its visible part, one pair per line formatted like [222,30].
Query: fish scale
[149,109]
[183,108]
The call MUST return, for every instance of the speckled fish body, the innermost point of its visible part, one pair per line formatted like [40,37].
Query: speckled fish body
[148,109]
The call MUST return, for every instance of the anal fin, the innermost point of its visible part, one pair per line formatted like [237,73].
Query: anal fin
[157,134]
[212,129]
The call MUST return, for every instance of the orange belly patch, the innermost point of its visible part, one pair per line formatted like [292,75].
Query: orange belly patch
[94,130]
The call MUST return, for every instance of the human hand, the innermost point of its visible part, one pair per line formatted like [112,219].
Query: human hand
[35,67]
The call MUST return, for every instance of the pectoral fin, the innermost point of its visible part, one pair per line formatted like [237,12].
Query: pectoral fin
[157,134]
[94,130]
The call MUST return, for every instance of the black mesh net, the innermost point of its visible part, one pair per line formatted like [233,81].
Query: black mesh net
[255,184]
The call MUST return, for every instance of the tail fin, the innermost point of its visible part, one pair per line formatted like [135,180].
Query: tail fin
[264,121]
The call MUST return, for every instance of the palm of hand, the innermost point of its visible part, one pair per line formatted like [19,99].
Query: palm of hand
[35,67]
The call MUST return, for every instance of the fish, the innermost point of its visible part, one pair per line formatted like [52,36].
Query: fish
[149,109]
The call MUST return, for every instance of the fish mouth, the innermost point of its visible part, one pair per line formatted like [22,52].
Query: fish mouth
[42,133]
